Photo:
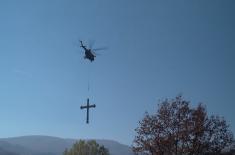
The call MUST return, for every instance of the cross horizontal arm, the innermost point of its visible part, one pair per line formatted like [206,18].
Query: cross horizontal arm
[90,106]
[83,107]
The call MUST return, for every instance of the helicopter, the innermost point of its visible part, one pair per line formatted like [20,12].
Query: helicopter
[88,53]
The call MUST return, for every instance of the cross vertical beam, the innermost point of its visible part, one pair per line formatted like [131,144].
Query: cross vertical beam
[87,107]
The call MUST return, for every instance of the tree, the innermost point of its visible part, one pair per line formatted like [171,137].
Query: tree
[86,148]
[176,128]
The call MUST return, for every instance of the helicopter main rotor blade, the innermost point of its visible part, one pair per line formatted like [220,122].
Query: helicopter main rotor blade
[96,54]
[100,49]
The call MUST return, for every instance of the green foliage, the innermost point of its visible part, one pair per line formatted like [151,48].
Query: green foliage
[86,148]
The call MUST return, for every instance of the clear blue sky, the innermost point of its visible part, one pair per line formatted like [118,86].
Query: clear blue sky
[156,49]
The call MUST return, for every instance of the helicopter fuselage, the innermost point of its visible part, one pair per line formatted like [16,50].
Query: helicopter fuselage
[89,55]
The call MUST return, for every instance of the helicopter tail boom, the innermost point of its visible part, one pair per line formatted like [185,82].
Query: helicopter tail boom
[84,47]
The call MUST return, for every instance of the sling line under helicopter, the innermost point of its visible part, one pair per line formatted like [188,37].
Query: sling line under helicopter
[88,79]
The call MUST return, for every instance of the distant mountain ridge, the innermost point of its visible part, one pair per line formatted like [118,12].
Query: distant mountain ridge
[47,145]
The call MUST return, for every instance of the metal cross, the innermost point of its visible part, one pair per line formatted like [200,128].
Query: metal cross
[88,106]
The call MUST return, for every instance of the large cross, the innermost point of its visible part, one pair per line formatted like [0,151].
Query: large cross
[88,106]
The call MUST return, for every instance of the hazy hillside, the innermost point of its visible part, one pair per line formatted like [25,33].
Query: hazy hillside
[4,152]
[46,145]
[11,149]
